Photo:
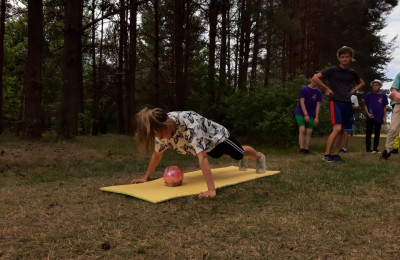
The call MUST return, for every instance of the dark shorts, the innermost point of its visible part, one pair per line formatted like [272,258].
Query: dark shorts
[230,147]
[341,113]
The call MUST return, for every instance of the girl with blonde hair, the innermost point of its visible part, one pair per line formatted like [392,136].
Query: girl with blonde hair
[190,133]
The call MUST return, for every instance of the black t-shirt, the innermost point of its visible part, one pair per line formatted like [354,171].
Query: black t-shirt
[341,81]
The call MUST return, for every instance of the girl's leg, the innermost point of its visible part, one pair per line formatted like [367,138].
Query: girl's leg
[302,137]
[307,138]
[250,152]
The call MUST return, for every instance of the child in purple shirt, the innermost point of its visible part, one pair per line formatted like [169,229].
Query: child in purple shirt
[375,106]
[307,113]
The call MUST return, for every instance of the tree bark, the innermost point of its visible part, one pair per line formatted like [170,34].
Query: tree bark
[2,33]
[132,67]
[212,17]
[256,45]
[32,127]
[180,87]
[72,90]
[223,59]
[95,87]
[157,51]
[120,76]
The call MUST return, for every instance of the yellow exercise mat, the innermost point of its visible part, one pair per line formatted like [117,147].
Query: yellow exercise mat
[193,183]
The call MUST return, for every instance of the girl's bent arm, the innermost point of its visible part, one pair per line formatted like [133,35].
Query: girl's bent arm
[154,161]
[205,168]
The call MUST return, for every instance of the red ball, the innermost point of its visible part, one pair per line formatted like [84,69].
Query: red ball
[173,176]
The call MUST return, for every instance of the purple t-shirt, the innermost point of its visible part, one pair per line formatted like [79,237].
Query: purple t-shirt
[311,97]
[376,103]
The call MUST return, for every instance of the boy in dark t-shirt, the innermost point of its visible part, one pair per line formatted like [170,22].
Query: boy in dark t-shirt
[341,80]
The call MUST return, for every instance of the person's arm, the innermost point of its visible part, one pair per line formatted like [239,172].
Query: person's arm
[366,111]
[303,107]
[154,161]
[394,95]
[317,79]
[358,87]
[205,168]
[316,119]
[384,115]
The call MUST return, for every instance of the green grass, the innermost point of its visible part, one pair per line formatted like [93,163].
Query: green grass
[51,206]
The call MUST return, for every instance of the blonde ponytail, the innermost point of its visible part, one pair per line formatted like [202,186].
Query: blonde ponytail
[148,122]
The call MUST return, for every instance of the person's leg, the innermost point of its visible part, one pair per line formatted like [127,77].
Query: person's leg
[339,140]
[394,128]
[302,137]
[335,134]
[346,135]
[250,152]
[393,132]
[307,138]
[377,134]
[368,133]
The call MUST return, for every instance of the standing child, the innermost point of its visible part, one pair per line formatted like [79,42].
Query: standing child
[341,79]
[395,120]
[375,106]
[190,133]
[307,113]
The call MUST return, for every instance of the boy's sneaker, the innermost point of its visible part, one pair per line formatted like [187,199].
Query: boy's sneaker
[369,151]
[243,164]
[385,155]
[327,158]
[395,151]
[336,158]
[302,151]
[306,151]
[343,150]
[376,151]
[261,165]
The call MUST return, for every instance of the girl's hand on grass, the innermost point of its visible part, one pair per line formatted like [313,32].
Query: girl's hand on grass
[208,194]
[141,180]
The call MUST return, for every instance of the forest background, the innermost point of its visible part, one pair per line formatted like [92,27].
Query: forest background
[86,67]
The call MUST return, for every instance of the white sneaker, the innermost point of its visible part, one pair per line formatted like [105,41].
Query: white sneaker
[261,165]
[243,164]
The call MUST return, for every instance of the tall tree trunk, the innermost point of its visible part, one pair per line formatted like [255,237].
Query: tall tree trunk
[228,17]
[72,90]
[222,64]
[244,44]
[237,48]
[132,67]
[157,51]
[95,89]
[180,87]
[268,48]
[212,17]
[187,52]
[33,72]
[2,33]
[127,120]
[256,33]
[120,79]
